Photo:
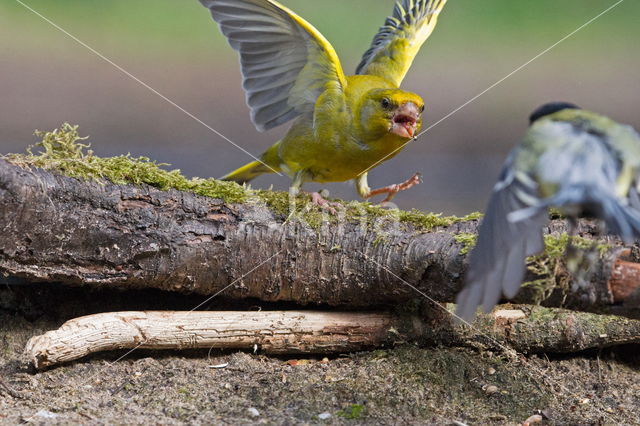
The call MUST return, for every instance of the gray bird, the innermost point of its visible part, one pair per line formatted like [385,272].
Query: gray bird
[580,162]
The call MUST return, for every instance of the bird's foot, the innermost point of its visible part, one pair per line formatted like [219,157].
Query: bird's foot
[329,206]
[392,190]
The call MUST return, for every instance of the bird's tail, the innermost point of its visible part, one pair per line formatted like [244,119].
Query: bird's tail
[269,163]
[619,216]
[248,172]
[621,219]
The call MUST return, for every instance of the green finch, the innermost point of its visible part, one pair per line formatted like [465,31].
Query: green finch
[580,162]
[343,125]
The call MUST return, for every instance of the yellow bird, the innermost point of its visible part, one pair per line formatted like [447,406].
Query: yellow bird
[344,126]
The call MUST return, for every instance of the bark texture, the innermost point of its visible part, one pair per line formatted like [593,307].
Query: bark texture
[531,329]
[525,330]
[60,229]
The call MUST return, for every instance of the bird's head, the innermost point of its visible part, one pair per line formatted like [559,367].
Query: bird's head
[392,111]
[549,109]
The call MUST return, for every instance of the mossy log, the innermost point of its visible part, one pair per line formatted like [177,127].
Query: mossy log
[527,330]
[88,232]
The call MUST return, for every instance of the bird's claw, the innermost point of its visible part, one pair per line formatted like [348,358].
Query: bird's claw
[329,206]
[392,190]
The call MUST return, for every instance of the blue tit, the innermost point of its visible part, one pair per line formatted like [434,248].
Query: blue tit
[580,162]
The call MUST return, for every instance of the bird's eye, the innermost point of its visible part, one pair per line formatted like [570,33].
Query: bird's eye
[421,109]
[386,103]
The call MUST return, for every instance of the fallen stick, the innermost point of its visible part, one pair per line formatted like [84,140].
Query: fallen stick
[525,329]
[287,332]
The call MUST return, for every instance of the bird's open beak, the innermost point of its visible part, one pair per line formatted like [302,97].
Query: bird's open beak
[405,120]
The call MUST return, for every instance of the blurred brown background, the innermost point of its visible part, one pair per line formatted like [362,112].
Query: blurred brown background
[46,78]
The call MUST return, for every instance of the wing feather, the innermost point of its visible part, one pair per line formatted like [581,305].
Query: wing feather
[286,63]
[398,42]
[272,111]
[252,84]
[497,263]
[282,118]
[268,97]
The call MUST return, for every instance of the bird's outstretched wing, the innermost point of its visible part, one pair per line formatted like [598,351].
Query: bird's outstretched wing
[286,63]
[497,263]
[400,39]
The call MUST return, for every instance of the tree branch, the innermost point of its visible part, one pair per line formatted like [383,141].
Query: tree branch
[61,229]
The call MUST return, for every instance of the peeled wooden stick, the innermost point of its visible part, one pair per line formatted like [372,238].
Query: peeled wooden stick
[525,329]
[273,332]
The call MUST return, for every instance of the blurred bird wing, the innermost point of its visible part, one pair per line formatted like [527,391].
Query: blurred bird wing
[620,141]
[497,263]
[634,196]
[286,63]
[626,141]
[398,42]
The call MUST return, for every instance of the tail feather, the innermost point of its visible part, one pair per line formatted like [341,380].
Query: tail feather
[620,218]
[247,173]
[269,163]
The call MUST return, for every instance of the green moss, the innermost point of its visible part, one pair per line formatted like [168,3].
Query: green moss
[467,240]
[542,315]
[355,411]
[416,218]
[367,212]
[429,221]
[555,246]
[278,201]
[316,217]
[381,237]
[548,264]
[592,324]
[230,192]
[63,150]
[297,207]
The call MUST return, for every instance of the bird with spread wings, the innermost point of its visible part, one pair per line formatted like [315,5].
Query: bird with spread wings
[343,125]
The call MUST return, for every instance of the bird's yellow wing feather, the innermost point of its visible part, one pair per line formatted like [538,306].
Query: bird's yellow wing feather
[400,39]
[286,63]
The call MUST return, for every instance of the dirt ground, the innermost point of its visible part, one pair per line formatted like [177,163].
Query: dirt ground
[405,384]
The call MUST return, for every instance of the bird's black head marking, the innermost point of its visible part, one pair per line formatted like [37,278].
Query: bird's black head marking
[550,108]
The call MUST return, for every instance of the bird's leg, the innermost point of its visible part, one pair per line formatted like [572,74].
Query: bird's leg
[296,185]
[390,190]
[316,197]
[294,190]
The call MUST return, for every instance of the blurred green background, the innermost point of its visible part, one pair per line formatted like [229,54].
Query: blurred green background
[47,78]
